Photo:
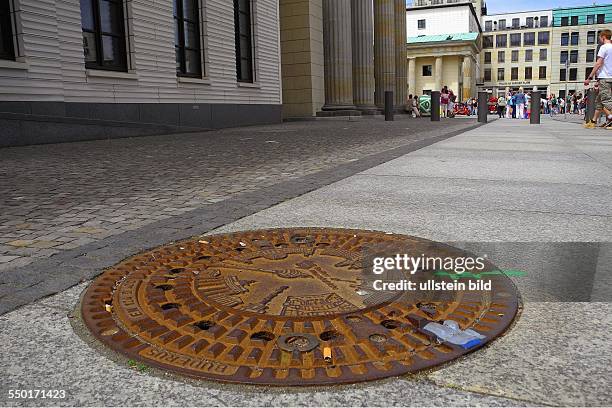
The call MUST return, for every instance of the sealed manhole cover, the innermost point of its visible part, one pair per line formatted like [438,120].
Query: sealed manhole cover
[282,307]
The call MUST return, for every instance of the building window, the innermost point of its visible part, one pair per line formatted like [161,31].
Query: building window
[7,44]
[590,19]
[529,22]
[501,40]
[562,74]
[487,58]
[587,72]
[500,74]
[564,39]
[574,20]
[542,73]
[601,19]
[590,56]
[543,37]
[575,38]
[244,40]
[528,55]
[573,74]
[543,54]
[515,40]
[501,56]
[591,37]
[501,25]
[515,56]
[187,38]
[516,23]
[564,21]
[528,39]
[427,70]
[103,26]
[487,74]
[488,25]
[487,41]
[514,74]
[563,57]
[528,72]
[543,21]
[421,24]
[573,56]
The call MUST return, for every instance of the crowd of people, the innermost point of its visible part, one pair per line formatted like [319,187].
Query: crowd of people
[517,104]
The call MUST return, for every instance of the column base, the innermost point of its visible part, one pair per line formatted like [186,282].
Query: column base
[369,110]
[338,110]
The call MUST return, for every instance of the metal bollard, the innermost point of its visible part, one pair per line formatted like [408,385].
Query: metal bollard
[483,107]
[389,106]
[590,108]
[534,116]
[435,106]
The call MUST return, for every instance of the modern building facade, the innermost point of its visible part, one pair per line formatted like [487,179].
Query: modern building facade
[74,70]
[575,45]
[443,46]
[516,51]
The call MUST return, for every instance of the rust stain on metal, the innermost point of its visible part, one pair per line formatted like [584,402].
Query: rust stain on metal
[281,307]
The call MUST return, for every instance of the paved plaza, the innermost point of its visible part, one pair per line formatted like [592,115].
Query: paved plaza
[75,209]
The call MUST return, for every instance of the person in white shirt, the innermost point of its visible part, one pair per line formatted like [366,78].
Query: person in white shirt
[603,71]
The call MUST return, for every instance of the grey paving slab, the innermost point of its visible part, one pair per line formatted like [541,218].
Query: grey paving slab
[41,351]
[558,353]
[537,170]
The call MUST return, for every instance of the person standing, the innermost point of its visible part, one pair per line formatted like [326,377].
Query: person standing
[414,106]
[520,104]
[603,71]
[444,98]
[510,106]
[451,103]
[501,106]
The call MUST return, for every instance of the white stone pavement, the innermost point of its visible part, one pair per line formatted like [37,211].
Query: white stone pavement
[506,182]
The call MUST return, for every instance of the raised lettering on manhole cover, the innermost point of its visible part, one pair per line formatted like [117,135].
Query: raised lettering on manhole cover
[281,307]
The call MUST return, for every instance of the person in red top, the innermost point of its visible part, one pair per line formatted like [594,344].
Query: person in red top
[444,98]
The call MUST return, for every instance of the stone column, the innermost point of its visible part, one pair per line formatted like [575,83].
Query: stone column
[401,55]
[384,49]
[467,77]
[363,55]
[338,55]
[412,76]
[438,74]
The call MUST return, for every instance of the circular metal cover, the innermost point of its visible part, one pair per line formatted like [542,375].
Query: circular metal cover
[282,307]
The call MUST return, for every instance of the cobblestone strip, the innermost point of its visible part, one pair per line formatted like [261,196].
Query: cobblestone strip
[25,284]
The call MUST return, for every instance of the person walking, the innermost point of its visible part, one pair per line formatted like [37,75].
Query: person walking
[501,106]
[603,71]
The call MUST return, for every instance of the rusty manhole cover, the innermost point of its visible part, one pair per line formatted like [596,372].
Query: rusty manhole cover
[281,307]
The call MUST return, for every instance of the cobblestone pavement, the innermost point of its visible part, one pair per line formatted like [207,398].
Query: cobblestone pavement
[60,197]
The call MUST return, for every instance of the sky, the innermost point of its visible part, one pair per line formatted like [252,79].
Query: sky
[507,6]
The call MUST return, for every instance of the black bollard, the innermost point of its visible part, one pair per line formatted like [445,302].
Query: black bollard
[534,116]
[590,108]
[483,107]
[389,105]
[435,106]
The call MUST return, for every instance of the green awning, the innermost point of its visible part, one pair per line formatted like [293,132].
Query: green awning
[443,38]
